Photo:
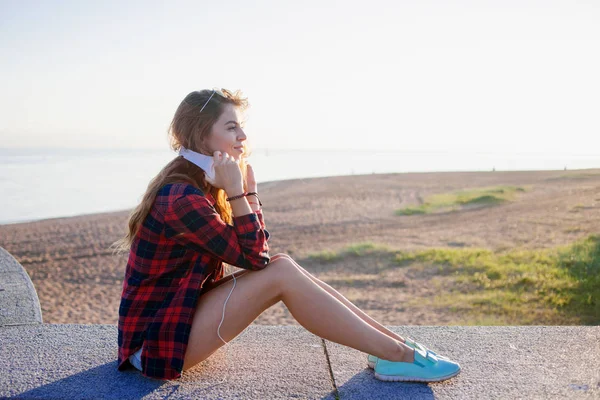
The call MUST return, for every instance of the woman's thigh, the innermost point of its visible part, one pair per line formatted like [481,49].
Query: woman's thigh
[254,292]
[210,285]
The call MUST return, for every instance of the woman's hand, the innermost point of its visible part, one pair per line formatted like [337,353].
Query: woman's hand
[250,182]
[228,175]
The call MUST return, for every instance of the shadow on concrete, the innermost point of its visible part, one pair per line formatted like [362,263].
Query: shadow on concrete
[103,381]
[364,385]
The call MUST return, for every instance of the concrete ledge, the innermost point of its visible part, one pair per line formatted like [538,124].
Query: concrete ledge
[19,303]
[498,362]
[267,362]
[80,362]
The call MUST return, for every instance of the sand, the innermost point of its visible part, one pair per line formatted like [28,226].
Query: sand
[79,280]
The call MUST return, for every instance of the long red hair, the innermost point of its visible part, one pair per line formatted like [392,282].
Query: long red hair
[189,128]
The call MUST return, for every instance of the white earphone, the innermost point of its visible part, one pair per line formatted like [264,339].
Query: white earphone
[222,318]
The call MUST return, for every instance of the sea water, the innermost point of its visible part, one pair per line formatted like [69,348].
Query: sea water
[47,183]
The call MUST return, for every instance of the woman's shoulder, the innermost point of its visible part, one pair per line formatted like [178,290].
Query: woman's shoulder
[178,189]
[182,193]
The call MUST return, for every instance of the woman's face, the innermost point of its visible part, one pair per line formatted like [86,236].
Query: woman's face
[227,134]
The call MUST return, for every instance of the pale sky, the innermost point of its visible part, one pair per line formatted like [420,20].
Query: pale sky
[506,76]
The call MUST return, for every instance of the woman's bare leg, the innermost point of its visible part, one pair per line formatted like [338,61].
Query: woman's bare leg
[346,302]
[313,307]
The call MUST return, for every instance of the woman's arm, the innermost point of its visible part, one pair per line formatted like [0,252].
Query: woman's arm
[253,201]
[254,206]
[192,221]
[251,186]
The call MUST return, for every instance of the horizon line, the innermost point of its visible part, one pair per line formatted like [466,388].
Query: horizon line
[322,149]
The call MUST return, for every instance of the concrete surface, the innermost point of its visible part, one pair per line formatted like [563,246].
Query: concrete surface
[500,362]
[19,303]
[80,362]
[272,362]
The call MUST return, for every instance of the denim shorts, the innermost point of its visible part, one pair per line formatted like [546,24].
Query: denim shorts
[136,359]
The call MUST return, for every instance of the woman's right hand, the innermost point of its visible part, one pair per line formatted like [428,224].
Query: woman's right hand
[228,175]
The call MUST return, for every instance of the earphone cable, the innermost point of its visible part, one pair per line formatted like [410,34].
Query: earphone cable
[224,305]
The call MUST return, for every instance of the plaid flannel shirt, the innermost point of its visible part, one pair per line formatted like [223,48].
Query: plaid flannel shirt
[181,244]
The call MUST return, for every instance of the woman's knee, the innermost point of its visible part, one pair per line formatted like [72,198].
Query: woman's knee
[283,267]
[280,255]
[288,257]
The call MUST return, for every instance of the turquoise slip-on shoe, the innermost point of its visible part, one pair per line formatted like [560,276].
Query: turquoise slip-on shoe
[425,368]
[371,359]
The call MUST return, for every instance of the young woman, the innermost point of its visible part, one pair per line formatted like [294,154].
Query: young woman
[203,210]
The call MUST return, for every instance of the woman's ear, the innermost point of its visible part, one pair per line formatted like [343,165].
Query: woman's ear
[203,148]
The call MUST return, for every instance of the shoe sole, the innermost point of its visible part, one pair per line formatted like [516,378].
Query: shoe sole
[394,378]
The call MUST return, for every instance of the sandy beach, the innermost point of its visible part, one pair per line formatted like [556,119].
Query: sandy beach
[79,280]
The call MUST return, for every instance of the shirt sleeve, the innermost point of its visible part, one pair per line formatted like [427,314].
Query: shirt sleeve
[191,220]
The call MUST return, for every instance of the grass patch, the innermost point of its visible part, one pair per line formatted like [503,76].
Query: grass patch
[355,250]
[412,210]
[325,256]
[554,286]
[573,229]
[559,286]
[463,199]
[361,249]
[579,207]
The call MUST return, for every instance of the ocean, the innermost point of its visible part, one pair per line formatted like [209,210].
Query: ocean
[47,183]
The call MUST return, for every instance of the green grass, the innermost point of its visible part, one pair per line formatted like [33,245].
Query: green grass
[573,229]
[578,207]
[515,287]
[412,211]
[326,256]
[355,250]
[560,285]
[463,199]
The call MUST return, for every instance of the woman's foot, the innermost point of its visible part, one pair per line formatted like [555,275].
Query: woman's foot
[425,367]
[371,359]
[402,353]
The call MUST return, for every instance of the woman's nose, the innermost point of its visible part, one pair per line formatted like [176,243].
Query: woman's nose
[242,135]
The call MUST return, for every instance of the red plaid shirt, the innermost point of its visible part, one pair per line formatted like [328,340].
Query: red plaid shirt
[180,245]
